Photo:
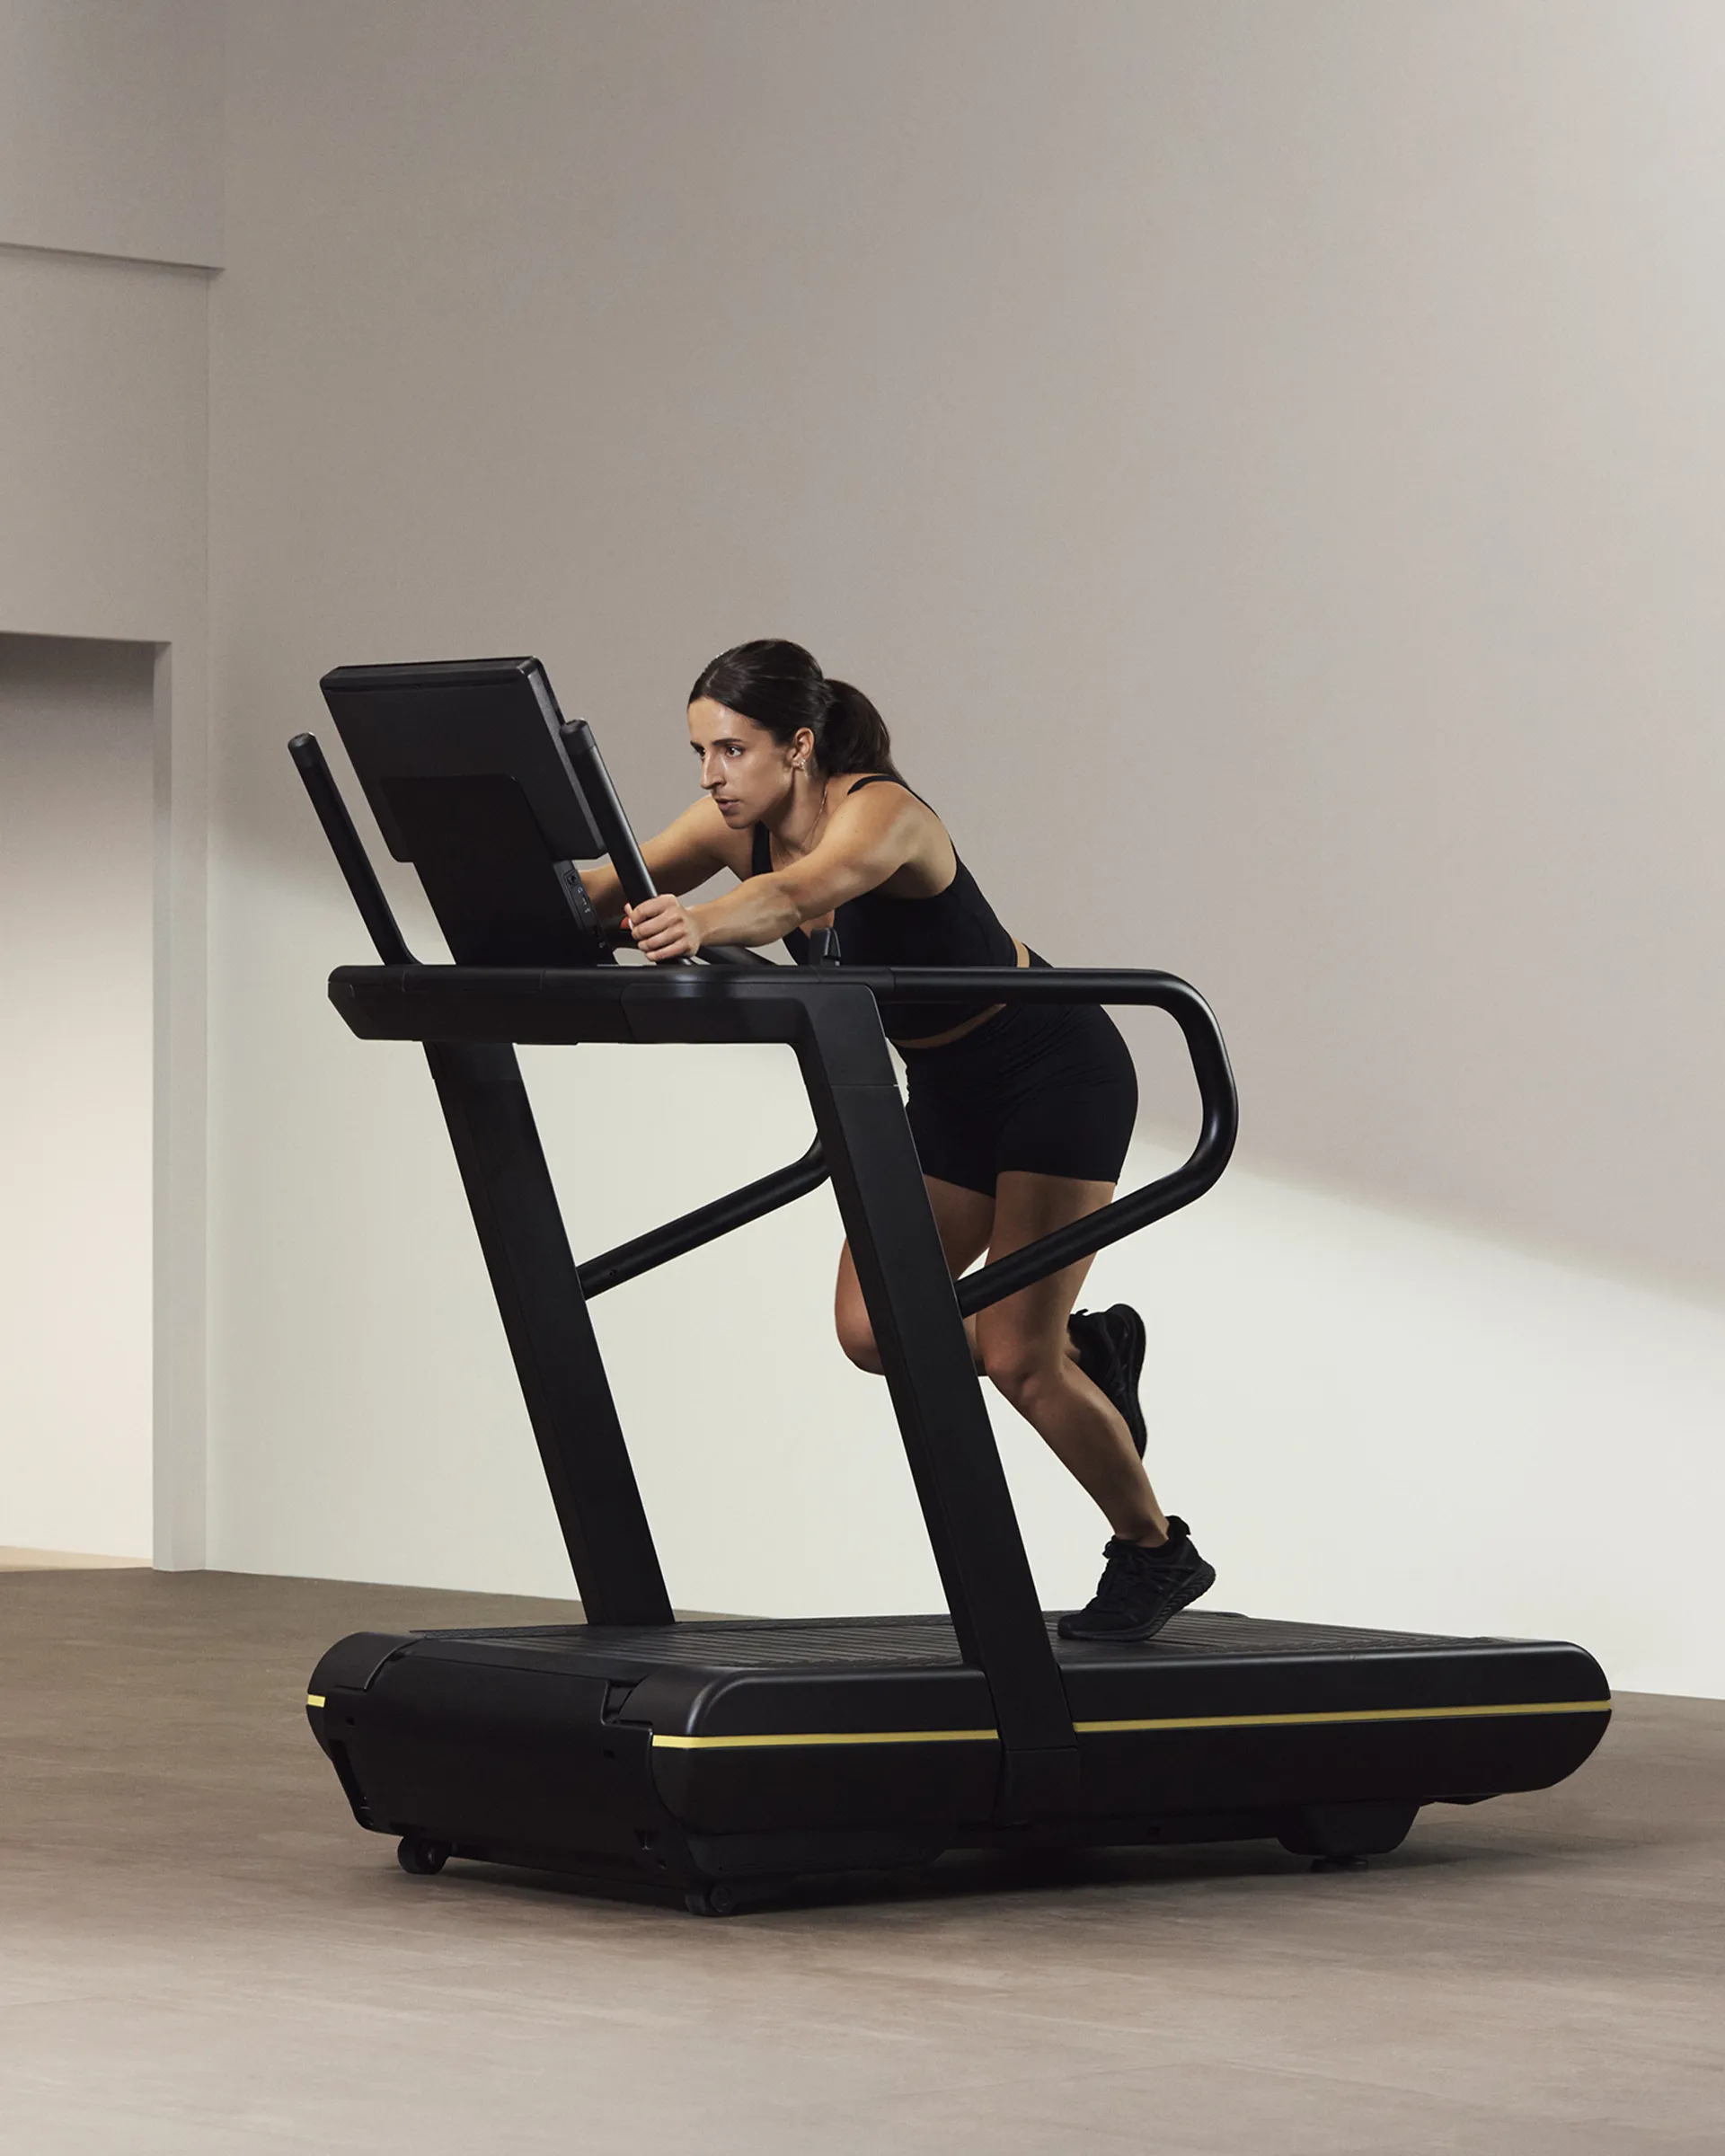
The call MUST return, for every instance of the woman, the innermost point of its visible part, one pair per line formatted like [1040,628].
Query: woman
[1020,1113]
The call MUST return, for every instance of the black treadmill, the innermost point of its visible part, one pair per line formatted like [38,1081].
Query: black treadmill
[722,1759]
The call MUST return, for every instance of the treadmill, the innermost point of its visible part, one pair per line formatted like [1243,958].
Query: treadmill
[722,1760]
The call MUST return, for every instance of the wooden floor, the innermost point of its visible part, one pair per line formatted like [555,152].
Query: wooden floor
[202,1954]
[62,1561]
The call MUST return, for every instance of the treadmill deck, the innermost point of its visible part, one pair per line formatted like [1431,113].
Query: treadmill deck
[584,1739]
[728,1678]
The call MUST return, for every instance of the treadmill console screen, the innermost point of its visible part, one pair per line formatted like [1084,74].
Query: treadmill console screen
[466,769]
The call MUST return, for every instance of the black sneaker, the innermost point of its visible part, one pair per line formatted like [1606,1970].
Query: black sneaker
[1110,1354]
[1141,1589]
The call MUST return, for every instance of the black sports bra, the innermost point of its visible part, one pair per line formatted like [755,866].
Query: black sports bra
[956,927]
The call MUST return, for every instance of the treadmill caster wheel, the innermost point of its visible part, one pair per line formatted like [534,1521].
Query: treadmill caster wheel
[726,1897]
[418,1855]
[1341,1863]
[715,1899]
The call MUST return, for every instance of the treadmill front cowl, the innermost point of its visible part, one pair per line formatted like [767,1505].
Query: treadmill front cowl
[353,1662]
[489,1757]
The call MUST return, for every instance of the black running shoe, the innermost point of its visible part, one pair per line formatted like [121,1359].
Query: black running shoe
[1110,1354]
[1142,1589]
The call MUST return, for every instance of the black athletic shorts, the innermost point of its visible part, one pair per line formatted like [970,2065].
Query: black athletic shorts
[1049,1088]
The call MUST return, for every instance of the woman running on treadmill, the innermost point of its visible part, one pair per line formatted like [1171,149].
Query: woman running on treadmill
[1020,1113]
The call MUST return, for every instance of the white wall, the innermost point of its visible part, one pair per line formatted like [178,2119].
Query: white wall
[103,445]
[110,146]
[1264,461]
[103,367]
[1392,1423]
[111,135]
[77,848]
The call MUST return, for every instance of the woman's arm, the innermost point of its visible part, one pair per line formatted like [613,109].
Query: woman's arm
[697,845]
[869,837]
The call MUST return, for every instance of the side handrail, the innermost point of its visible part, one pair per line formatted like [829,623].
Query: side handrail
[705,1224]
[1050,1253]
[1096,984]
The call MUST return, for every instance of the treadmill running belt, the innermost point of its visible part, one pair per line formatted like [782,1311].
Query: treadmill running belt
[929,1642]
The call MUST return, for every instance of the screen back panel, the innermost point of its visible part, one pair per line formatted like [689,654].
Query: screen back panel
[464,769]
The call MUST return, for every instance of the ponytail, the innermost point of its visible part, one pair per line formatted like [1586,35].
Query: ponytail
[778,685]
[851,735]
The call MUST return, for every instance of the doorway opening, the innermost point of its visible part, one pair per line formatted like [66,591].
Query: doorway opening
[76,1028]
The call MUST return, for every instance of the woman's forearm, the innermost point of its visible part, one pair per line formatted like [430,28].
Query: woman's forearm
[758,911]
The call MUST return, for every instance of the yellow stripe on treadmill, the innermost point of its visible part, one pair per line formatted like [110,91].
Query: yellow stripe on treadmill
[835,1737]
[1198,1722]
[314,1699]
[1350,1714]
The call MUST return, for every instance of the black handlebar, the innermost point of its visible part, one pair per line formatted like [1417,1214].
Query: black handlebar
[1216,1087]
[607,809]
[351,855]
[1050,1253]
[607,813]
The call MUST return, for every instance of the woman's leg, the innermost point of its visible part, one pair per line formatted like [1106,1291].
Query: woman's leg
[1025,1348]
[965,1219]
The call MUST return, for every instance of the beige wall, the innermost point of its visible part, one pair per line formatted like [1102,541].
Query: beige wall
[110,146]
[103,367]
[76,755]
[1262,459]
[111,127]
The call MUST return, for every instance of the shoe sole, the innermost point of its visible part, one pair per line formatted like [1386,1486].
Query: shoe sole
[1132,1365]
[1200,1583]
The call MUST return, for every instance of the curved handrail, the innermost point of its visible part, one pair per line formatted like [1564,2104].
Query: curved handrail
[1064,1246]
[1096,984]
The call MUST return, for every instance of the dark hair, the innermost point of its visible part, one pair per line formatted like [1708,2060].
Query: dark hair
[779,686]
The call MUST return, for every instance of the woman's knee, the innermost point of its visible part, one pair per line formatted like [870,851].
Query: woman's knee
[851,1319]
[1022,1365]
[856,1337]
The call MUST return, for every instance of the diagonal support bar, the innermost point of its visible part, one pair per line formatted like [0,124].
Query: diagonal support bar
[557,1359]
[705,1224]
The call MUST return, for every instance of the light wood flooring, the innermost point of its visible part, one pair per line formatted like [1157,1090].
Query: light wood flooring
[203,1955]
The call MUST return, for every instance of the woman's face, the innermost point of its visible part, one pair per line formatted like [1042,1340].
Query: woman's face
[743,769]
